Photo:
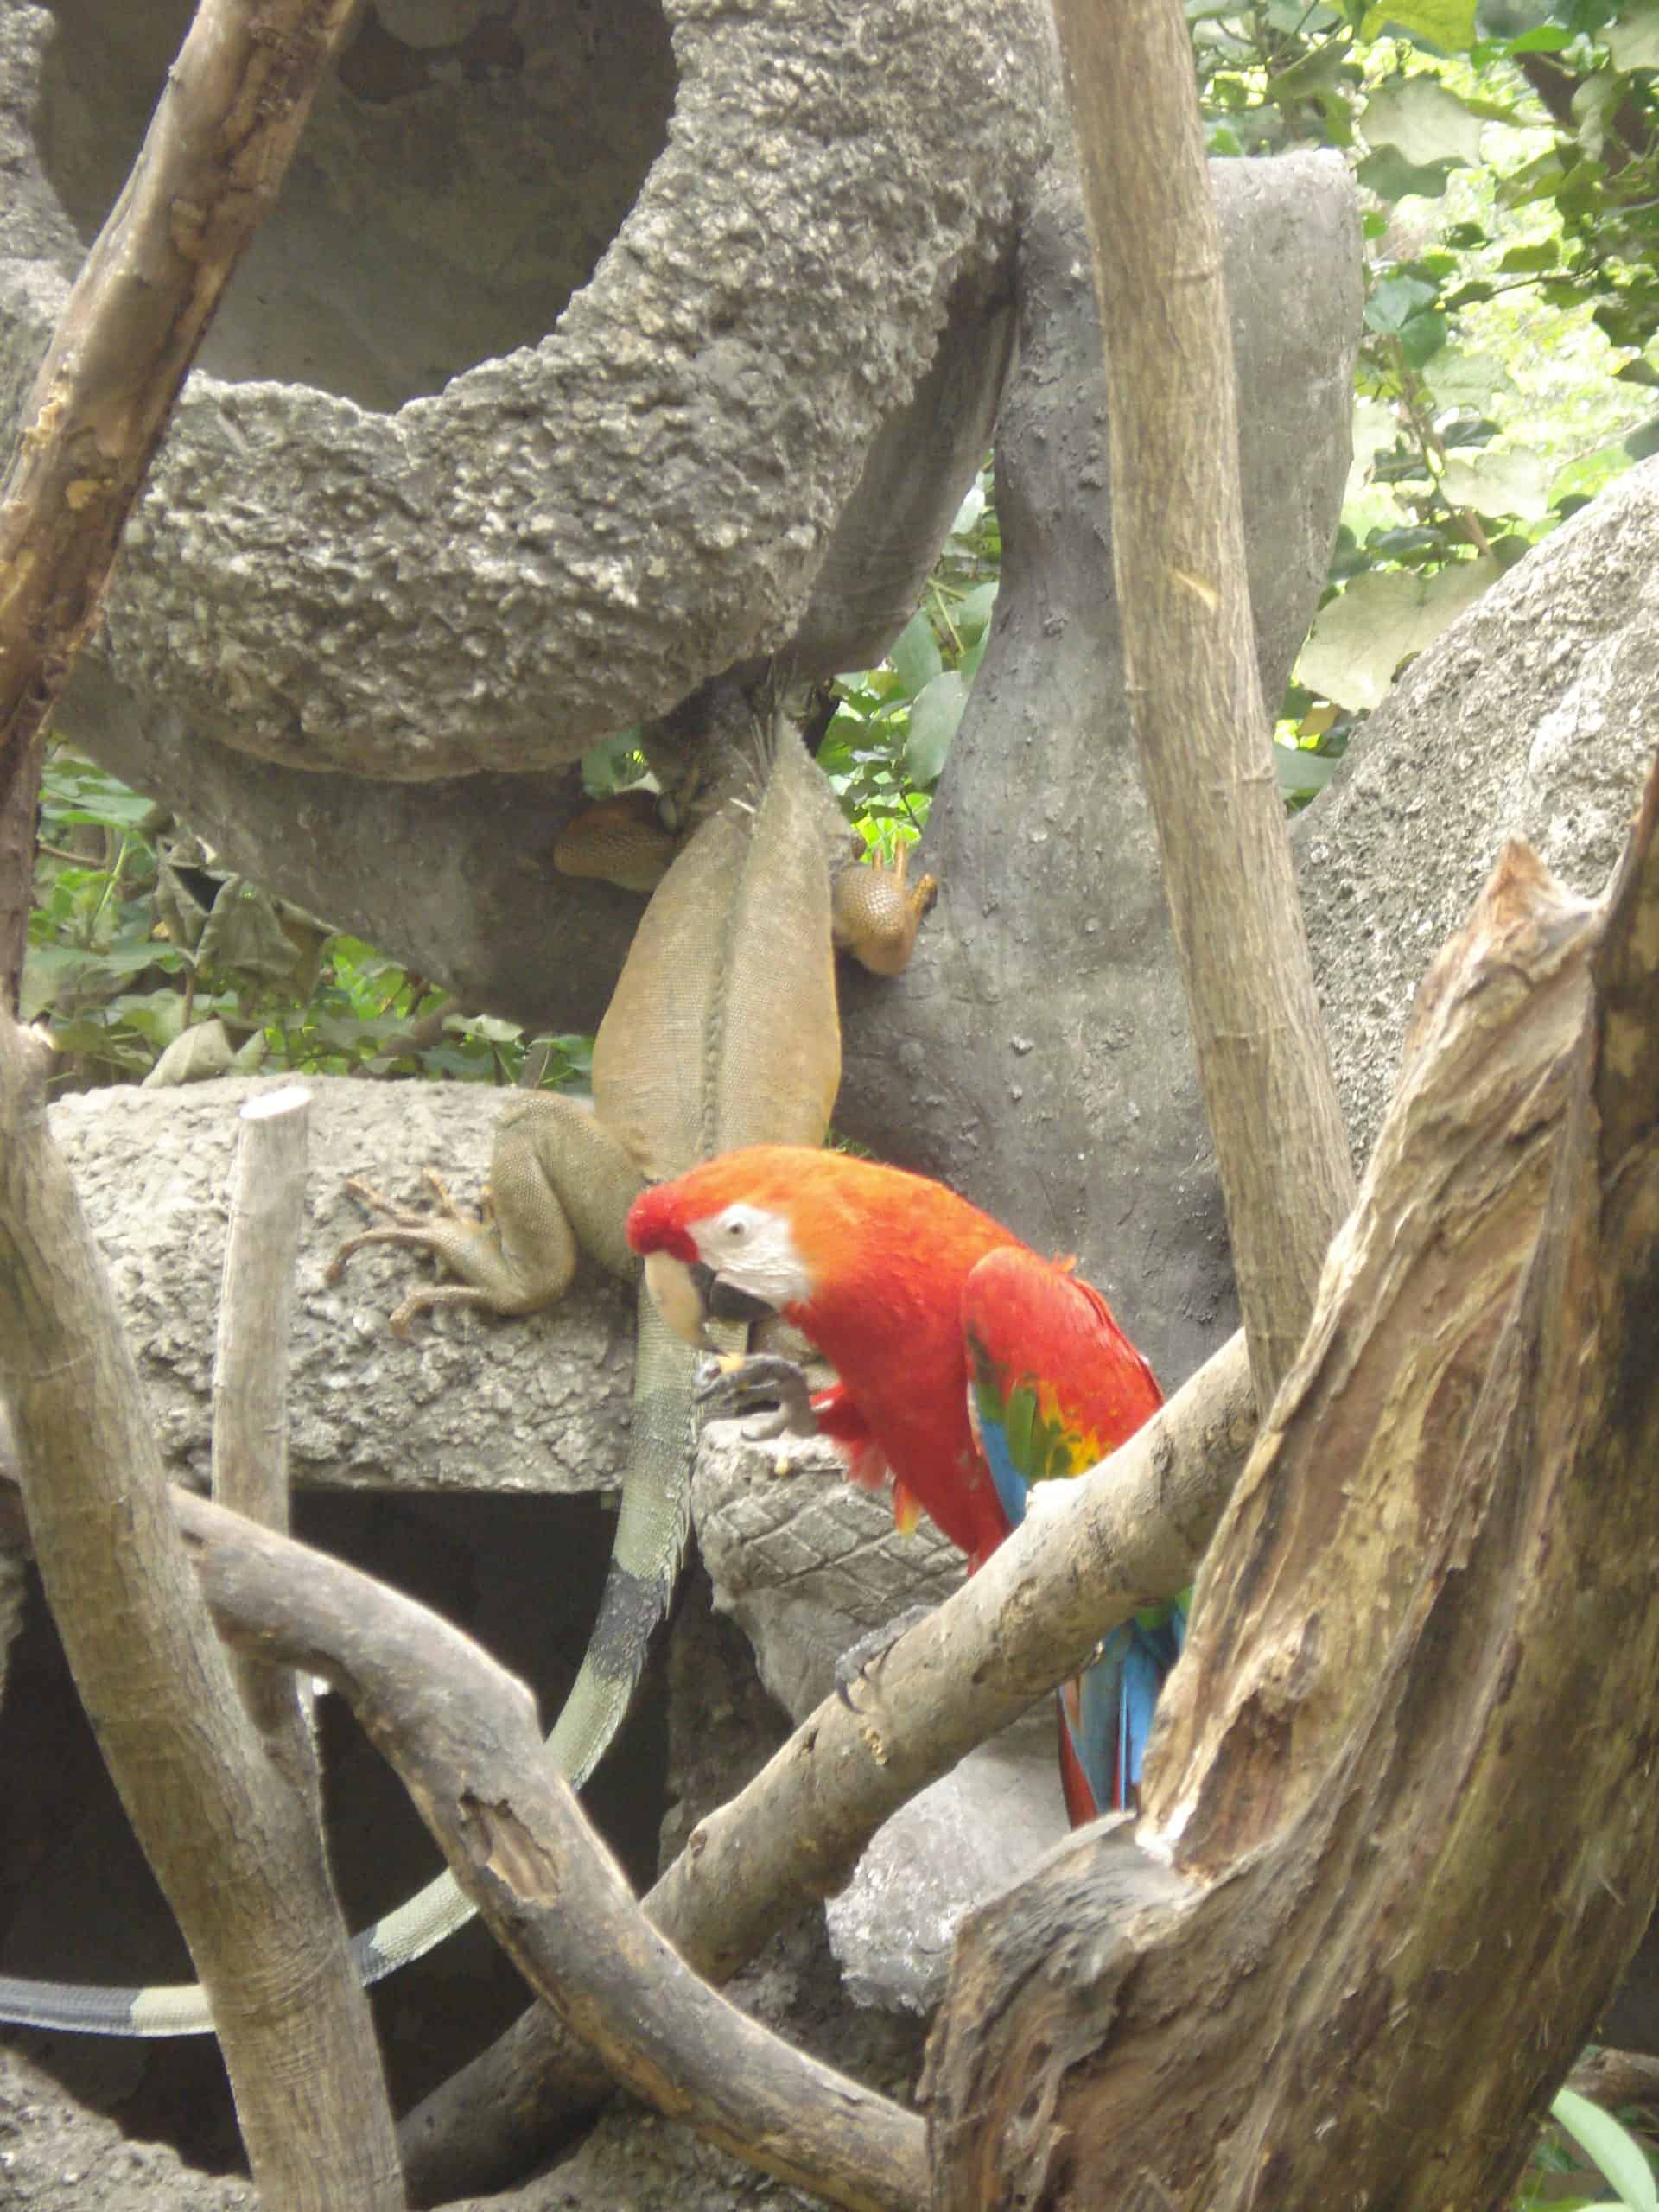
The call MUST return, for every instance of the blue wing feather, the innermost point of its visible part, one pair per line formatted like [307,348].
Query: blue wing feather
[1054,1386]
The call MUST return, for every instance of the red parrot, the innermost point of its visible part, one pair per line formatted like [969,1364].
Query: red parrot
[969,1369]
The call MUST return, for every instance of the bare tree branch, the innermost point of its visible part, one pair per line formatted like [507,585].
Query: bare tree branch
[1201,729]
[464,1737]
[234,1847]
[210,168]
[262,1250]
[1123,1536]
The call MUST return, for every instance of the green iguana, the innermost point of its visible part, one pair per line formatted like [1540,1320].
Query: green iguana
[723,1031]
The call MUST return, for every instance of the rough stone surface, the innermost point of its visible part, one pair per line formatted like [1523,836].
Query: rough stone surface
[804,1562]
[1534,716]
[471,1403]
[1036,1053]
[54,2154]
[545,392]
[956,1844]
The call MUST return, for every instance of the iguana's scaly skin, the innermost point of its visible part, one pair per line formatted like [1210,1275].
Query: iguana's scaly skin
[723,1031]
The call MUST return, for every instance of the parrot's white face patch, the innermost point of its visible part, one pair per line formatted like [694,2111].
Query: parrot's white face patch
[752,1250]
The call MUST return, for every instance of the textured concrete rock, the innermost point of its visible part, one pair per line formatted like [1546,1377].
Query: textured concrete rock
[547,385]
[587,351]
[471,1403]
[803,1561]
[1534,715]
[54,2154]
[954,1846]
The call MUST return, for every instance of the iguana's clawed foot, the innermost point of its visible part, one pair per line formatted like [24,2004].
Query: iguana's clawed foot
[728,1386]
[855,1662]
[442,1234]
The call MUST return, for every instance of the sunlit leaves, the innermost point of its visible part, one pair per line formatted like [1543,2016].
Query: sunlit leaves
[1448,25]
[1425,121]
[1383,618]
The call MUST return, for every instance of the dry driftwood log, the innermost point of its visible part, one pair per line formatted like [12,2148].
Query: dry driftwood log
[1398,1838]
[1202,733]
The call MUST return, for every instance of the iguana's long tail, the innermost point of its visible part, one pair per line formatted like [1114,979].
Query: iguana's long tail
[651,1526]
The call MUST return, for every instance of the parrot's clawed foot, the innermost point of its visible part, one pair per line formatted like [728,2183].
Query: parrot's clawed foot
[764,1385]
[856,1663]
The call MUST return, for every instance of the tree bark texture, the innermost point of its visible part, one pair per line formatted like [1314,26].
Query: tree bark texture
[233,1845]
[251,1381]
[1399,1834]
[1201,729]
[229,119]
[1121,1537]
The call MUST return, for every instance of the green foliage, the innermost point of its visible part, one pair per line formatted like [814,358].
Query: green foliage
[887,744]
[149,961]
[1508,159]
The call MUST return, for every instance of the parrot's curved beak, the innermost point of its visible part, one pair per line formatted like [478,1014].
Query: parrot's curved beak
[688,1298]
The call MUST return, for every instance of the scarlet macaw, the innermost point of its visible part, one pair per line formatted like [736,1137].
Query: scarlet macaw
[969,1369]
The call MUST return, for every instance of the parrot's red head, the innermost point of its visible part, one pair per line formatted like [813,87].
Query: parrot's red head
[831,1242]
[732,1238]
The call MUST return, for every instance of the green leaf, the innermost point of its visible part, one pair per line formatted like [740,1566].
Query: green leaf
[1533,258]
[968,512]
[114,810]
[933,721]
[1539,179]
[1637,372]
[1395,299]
[1543,38]
[1612,2146]
[1381,620]
[916,655]
[1423,337]
[1388,173]
[612,764]
[1468,431]
[1447,24]
[1459,380]
[975,611]
[1425,121]
[1634,44]
[1512,483]
[1301,773]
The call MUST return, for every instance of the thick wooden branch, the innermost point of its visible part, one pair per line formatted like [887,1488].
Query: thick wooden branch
[1201,729]
[463,1736]
[262,1250]
[1123,1536]
[211,165]
[234,1847]
[1399,1807]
